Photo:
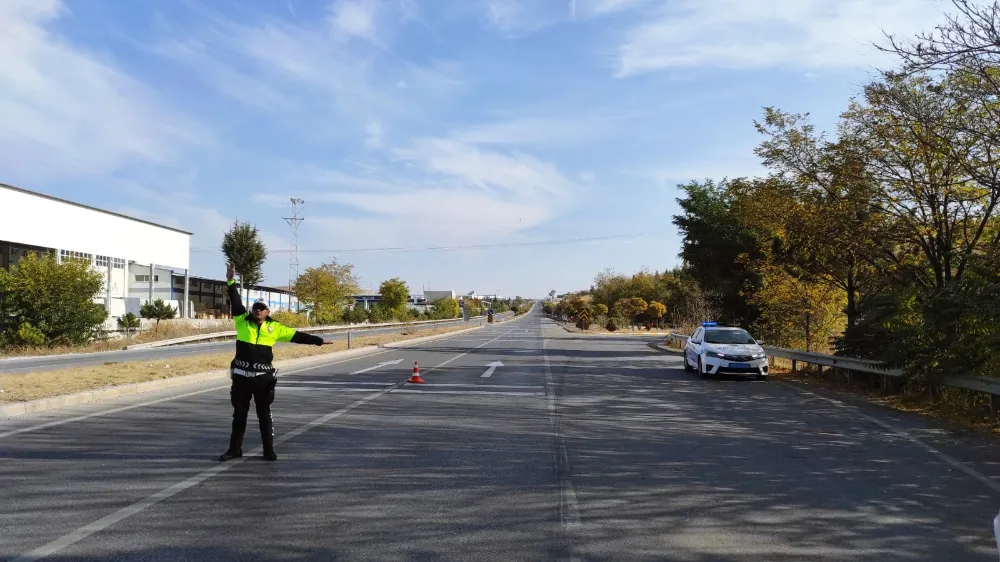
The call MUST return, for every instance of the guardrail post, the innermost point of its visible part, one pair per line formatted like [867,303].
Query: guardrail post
[795,365]
[348,338]
[994,404]
[819,370]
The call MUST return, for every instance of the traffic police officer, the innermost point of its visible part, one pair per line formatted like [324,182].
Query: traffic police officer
[252,374]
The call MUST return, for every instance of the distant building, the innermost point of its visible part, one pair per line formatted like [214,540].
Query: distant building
[433,296]
[141,260]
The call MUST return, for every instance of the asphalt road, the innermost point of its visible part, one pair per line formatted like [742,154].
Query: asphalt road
[52,362]
[577,448]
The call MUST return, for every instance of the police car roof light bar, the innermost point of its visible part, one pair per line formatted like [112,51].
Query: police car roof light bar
[709,324]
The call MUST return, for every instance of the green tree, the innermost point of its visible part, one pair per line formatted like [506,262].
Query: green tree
[445,309]
[327,290]
[355,315]
[394,293]
[157,310]
[291,319]
[128,323]
[244,248]
[716,247]
[50,303]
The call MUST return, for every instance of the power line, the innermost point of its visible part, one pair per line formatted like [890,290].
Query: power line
[465,247]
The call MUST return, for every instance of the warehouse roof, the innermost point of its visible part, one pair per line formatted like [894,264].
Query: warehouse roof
[75,204]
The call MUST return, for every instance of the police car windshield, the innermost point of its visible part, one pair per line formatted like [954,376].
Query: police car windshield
[728,336]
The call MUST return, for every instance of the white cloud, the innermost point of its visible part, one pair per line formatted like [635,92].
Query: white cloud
[374,132]
[517,17]
[590,8]
[512,174]
[764,33]
[304,71]
[529,131]
[64,111]
[354,18]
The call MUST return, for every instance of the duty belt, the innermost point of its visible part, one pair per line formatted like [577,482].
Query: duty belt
[245,373]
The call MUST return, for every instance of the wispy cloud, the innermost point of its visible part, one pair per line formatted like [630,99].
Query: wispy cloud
[520,17]
[531,131]
[354,18]
[374,131]
[765,33]
[68,112]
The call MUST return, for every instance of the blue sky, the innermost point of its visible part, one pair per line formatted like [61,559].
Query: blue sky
[421,123]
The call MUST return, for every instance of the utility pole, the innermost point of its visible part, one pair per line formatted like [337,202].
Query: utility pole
[293,260]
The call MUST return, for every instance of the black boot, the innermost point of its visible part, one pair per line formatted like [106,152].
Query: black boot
[235,450]
[267,436]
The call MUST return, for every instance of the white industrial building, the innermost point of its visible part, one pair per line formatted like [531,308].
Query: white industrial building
[141,260]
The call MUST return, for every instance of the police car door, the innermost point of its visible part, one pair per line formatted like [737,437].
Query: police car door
[693,349]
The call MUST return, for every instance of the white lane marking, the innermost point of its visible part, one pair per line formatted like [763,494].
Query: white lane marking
[947,459]
[333,383]
[485,343]
[379,366]
[142,505]
[425,385]
[470,392]
[492,367]
[313,390]
[569,507]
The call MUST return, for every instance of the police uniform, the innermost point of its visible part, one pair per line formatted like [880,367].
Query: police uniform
[252,373]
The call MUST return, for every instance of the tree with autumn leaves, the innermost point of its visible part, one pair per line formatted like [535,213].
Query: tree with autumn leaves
[881,240]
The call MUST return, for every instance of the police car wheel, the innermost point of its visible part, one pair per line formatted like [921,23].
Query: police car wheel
[687,366]
[701,370]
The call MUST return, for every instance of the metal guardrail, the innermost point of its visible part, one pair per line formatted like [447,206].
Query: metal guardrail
[986,385]
[314,329]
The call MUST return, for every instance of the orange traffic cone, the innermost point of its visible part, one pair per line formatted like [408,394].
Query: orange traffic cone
[415,378]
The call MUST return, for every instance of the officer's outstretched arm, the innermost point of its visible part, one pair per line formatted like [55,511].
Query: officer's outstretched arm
[292,335]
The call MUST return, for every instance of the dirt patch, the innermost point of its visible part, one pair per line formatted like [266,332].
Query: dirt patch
[45,384]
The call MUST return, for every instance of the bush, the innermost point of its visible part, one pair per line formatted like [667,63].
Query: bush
[55,300]
[583,323]
[128,323]
[355,315]
[291,319]
[157,310]
[445,309]
[29,336]
[611,327]
[379,314]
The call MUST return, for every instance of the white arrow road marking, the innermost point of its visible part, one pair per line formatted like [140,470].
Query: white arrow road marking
[380,365]
[492,367]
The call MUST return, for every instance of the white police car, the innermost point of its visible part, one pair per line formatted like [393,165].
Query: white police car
[724,350]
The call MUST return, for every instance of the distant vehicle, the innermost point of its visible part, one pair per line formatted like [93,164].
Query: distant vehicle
[724,350]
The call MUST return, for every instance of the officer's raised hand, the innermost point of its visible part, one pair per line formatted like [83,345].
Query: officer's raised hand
[230,271]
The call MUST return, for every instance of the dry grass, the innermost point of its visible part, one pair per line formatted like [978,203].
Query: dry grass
[167,331]
[960,408]
[44,384]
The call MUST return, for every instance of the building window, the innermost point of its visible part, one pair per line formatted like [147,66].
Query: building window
[145,278]
[67,255]
[102,261]
[118,263]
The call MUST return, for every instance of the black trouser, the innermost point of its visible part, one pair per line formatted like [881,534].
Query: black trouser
[261,389]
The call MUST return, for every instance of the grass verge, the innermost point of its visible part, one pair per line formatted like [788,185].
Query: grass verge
[960,408]
[45,384]
[166,332]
